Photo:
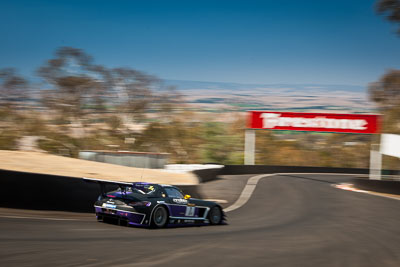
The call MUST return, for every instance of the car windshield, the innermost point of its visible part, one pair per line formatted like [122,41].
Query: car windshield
[173,192]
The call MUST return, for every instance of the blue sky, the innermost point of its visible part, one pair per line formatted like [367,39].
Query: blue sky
[285,41]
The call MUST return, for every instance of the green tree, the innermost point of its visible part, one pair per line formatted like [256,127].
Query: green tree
[134,91]
[13,88]
[73,83]
[390,8]
[217,143]
[386,93]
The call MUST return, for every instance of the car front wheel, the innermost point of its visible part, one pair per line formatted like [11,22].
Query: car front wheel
[215,215]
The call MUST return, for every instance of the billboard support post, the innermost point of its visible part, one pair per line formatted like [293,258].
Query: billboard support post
[375,164]
[249,146]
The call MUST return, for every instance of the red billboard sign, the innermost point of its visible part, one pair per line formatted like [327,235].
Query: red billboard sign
[316,122]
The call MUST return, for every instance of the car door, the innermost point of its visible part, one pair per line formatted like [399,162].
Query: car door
[179,206]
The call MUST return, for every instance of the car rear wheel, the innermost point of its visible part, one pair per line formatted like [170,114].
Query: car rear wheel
[99,218]
[160,217]
[215,215]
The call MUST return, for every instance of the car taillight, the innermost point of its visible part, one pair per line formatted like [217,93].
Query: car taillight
[140,203]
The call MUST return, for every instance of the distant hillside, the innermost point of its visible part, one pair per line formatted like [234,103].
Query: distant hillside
[220,86]
[228,97]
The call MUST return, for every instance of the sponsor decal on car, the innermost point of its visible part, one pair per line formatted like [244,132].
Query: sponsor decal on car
[180,200]
[190,211]
[109,206]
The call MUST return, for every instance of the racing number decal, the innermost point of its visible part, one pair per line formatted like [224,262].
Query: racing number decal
[190,211]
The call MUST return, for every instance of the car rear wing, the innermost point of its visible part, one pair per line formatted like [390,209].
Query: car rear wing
[104,183]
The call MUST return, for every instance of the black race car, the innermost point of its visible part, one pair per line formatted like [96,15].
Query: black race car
[153,205]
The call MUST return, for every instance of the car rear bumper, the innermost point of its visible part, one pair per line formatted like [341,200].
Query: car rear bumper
[130,217]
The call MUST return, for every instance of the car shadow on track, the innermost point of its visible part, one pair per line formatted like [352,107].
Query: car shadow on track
[125,224]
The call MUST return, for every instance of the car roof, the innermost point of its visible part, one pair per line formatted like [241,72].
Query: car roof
[166,185]
[145,183]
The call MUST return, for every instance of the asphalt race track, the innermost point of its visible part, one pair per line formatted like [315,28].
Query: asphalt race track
[290,220]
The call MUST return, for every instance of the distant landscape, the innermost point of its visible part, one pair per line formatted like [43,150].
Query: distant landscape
[228,97]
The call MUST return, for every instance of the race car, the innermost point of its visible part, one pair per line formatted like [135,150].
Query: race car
[153,205]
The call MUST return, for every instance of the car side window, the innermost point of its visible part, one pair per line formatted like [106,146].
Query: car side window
[173,192]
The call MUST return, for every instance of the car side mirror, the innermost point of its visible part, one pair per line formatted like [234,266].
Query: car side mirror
[187,196]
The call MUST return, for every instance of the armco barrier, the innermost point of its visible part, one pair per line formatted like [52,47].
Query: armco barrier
[50,192]
[46,192]
[207,175]
[260,169]
[382,186]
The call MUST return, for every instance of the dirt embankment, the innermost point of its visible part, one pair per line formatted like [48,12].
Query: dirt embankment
[56,165]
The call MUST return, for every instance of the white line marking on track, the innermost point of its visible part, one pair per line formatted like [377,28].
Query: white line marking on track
[349,187]
[247,192]
[380,195]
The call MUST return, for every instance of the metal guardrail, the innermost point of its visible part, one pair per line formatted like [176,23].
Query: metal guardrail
[126,158]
